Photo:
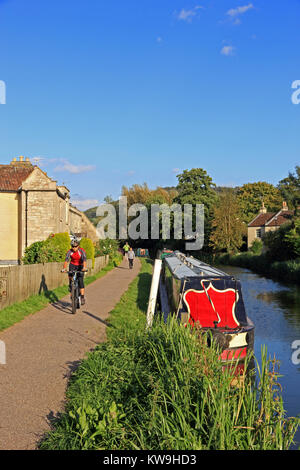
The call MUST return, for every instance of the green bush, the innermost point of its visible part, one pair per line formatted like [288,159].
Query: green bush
[36,253]
[58,244]
[52,250]
[256,247]
[88,246]
[284,244]
[107,247]
[286,271]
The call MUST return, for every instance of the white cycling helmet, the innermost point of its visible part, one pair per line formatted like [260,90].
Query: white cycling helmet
[74,241]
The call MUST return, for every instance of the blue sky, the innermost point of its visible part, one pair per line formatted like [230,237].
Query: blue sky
[109,93]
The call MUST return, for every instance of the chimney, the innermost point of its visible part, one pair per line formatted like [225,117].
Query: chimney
[263,209]
[21,161]
[284,206]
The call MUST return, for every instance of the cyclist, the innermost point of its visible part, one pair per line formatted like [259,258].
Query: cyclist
[76,256]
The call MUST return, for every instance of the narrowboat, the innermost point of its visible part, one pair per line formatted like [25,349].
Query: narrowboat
[207,298]
[164,252]
[142,252]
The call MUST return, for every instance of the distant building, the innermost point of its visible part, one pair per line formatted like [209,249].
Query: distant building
[32,206]
[267,221]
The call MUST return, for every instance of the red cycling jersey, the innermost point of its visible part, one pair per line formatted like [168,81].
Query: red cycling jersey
[76,257]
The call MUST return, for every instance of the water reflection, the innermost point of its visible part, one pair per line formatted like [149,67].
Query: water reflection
[275,310]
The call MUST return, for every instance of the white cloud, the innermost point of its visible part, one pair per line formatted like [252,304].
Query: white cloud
[234,12]
[188,15]
[84,204]
[227,50]
[62,165]
[176,170]
[74,169]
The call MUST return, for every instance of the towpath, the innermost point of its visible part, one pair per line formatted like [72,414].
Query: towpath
[43,350]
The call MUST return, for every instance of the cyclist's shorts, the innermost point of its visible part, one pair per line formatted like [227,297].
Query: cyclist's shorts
[73,267]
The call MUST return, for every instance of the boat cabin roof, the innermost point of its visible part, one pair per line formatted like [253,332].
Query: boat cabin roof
[183,266]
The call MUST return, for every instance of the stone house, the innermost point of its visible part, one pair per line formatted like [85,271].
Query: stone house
[32,206]
[267,221]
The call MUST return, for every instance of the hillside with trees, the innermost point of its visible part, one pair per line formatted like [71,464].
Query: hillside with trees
[227,211]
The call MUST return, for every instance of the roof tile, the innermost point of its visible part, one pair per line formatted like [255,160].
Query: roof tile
[261,219]
[281,218]
[12,176]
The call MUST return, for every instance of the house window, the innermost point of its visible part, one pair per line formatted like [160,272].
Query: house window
[258,233]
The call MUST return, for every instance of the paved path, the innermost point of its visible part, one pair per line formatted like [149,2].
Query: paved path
[41,353]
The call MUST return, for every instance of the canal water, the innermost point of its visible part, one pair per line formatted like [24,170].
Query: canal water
[274,308]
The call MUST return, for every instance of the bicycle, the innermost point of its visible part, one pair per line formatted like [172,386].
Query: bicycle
[74,285]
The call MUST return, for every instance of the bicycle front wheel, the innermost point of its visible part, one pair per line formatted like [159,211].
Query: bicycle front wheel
[74,299]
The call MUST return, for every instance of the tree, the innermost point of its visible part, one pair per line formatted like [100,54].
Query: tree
[252,195]
[290,188]
[196,187]
[228,228]
[284,244]
[142,194]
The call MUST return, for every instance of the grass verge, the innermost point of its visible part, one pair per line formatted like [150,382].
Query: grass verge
[19,310]
[165,389]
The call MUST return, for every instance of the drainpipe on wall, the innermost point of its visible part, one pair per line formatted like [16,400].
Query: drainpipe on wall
[26,218]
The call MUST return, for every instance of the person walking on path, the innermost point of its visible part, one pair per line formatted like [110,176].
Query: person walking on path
[126,248]
[131,257]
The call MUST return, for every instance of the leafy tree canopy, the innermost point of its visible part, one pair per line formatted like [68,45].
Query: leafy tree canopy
[142,194]
[196,187]
[290,188]
[252,195]
[228,228]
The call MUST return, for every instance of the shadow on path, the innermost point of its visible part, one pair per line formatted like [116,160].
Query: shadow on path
[97,318]
[49,294]
[63,306]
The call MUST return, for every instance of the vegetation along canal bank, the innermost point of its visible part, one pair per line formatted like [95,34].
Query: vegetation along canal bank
[275,309]
[164,389]
[285,271]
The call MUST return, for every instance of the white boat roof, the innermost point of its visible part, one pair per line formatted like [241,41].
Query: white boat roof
[183,266]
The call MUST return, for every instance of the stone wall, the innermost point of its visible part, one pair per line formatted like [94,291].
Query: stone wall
[81,225]
[43,210]
[75,220]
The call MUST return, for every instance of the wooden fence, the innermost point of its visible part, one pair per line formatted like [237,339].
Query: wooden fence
[17,283]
